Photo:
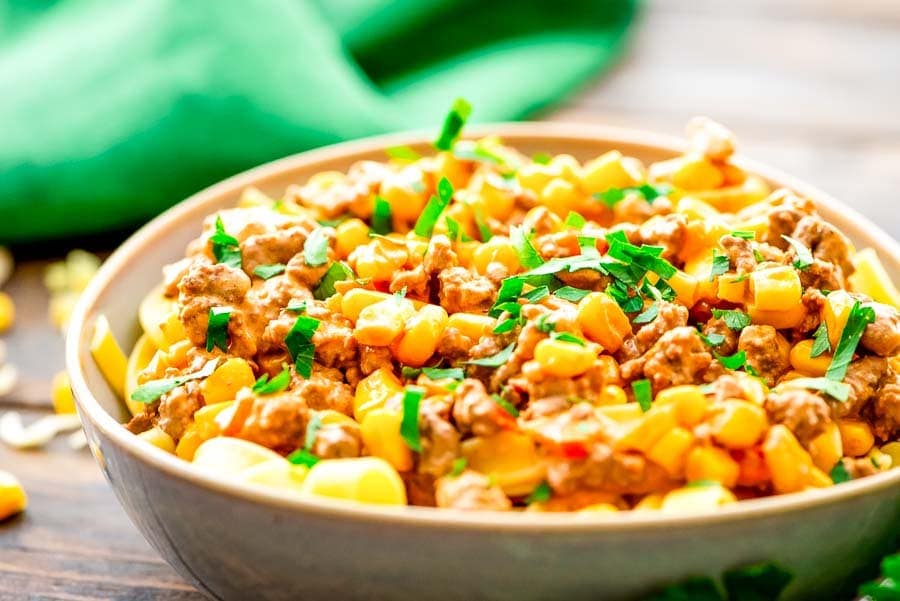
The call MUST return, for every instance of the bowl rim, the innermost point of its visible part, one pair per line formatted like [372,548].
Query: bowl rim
[90,409]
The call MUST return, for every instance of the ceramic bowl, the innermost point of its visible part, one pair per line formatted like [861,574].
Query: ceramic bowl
[234,541]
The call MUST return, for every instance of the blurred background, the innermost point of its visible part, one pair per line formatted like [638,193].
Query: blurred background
[159,101]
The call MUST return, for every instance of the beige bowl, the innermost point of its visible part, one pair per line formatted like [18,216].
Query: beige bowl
[238,542]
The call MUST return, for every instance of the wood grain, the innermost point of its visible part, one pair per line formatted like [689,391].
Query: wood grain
[809,85]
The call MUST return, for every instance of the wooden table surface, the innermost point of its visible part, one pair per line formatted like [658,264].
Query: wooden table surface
[811,86]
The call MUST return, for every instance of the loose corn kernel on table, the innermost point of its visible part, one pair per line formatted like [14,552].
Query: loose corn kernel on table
[74,541]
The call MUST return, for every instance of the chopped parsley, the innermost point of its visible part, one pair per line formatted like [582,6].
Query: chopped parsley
[478,153]
[280,382]
[217,328]
[857,320]
[536,295]
[541,494]
[567,337]
[484,231]
[645,256]
[713,338]
[575,220]
[403,153]
[495,360]
[441,373]
[758,256]
[454,231]
[541,158]
[804,256]
[150,391]
[381,217]
[543,324]
[821,342]
[459,466]
[225,247]
[649,314]
[269,271]
[643,393]
[409,426]
[744,234]
[733,362]
[521,241]
[509,292]
[453,124]
[315,249]
[614,196]
[296,307]
[303,457]
[337,272]
[429,216]
[300,346]
[312,430]
[505,405]
[720,265]
[507,325]
[839,473]
[734,319]
[836,390]
[571,294]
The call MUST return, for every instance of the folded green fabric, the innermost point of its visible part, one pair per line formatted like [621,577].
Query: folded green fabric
[112,111]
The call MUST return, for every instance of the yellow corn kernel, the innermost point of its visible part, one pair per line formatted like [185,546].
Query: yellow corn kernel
[603,321]
[733,198]
[711,463]
[374,390]
[537,213]
[7,312]
[224,383]
[380,324]
[535,177]
[689,401]
[561,196]
[567,167]
[627,414]
[510,458]
[732,288]
[871,278]
[738,424]
[447,165]
[109,356]
[700,266]
[361,479]
[697,499]
[158,438]
[229,456]
[685,287]
[354,301]
[420,337]
[651,502]
[472,325]
[612,395]
[275,473]
[152,312]
[671,450]
[838,305]
[380,430]
[827,448]
[379,260]
[780,320]
[892,450]
[206,415]
[697,210]
[610,170]
[188,443]
[12,496]
[856,437]
[775,288]
[61,393]
[406,203]
[564,359]
[695,172]
[141,356]
[350,235]
[492,197]
[789,464]
[172,330]
[496,250]
[807,365]
[177,356]
[648,429]
[700,237]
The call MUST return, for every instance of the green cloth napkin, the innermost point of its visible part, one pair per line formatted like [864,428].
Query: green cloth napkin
[112,111]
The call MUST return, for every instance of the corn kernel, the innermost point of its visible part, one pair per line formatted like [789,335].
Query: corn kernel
[561,197]
[7,312]
[354,301]
[535,177]
[564,359]
[871,278]
[856,437]
[419,340]
[685,287]
[738,424]
[689,401]
[275,473]
[892,450]
[697,499]
[509,457]
[109,356]
[732,288]
[13,499]
[380,430]
[780,320]
[224,383]
[350,235]
[827,448]
[647,430]
[712,463]
[603,321]
[610,170]
[228,456]
[806,364]
[374,390]
[380,324]
[734,196]
[651,502]
[695,172]
[671,450]
[612,395]
[447,165]
[378,260]
[361,479]
[158,438]
[188,443]
[838,305]
[697,210]
[152,312]
[775,288]
[61,393]
[788,462]
[496,250]
[397,189]
[471,325]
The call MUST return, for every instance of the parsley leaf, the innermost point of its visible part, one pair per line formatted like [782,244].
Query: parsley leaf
[226,248]
[649,314]
[567,337]
[510,289]
[840,474]
[217,328]
[645,256]
[453,124]
[745,234]
[541,158]
[478,153]
[734,319]
[403,153]
[303,457]
[296,307]
[495,360]
[720,265]
[312,430]
[507,325]
[521,241]
[505,405]
[484,231]
[438,373]
[857,320]
[315,249]
[409,426]
[381,217]
[536,295]
[571,294]
[575,220]
[643,393]
[614,196]
[268,271]
[429,216]
[836,390]
[280,382]
[459,466]
[299,344]
[337,272]
[150,391]
[713,338]
[821,342]
[454,231]
[541,494]
[804,256]
[733,362]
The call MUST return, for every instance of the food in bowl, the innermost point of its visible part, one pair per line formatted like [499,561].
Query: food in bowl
[483,330]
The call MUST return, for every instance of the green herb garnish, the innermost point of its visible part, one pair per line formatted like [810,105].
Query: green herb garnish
[454,231]
[381,217]
[571,294]
[441,373]
[300,346]
[734,319]
[402,153]
[337,272]
[857,320]
[527,253]
[429,216]
[453,124]
[312,430]
[269,271]
[574,220]
[567,337]
[614,196]
[495,360]
[541,158]
[536,295]
[280,382]
[804,256]
[505,405]
[303,457]
[409,426]
[649,314]
[150,391]
[217,328]
[225,247]
[720,265]
[733,362]
[315,249]
[541,494]
[459,466]
[836,390]
[713,338]
[484,231]
[643,393]
[821,342]
[744,234]
[296,307]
